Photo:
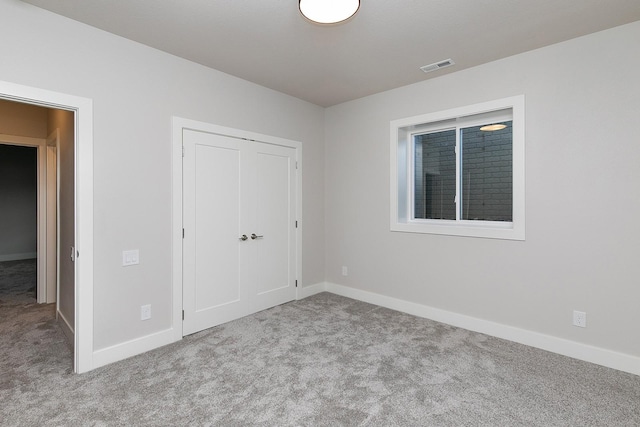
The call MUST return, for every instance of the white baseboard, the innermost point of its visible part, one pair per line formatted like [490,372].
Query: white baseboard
[17,257]
[137,346]
[67,329]
[131,348]
[587,353]
[307,291]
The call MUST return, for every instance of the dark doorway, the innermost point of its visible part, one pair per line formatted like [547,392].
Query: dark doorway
[18,222]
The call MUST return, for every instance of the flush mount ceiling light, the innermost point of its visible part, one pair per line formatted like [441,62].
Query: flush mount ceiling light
[491,128]
[328,11]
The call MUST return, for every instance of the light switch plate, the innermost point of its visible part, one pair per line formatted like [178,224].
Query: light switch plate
[131,257]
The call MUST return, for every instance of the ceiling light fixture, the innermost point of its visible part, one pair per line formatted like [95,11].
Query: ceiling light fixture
[328,11]
[492,128]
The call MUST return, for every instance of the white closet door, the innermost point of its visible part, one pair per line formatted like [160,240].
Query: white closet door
[239,219]
[275,262]
[214,284]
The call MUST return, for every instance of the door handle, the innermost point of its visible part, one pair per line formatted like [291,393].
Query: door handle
[254,237]
[244,237]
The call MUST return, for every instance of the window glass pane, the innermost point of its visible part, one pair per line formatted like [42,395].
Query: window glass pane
[435,175]
[487,174]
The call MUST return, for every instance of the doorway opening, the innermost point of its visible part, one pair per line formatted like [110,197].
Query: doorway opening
[18,222]
[59,126]
[37,210]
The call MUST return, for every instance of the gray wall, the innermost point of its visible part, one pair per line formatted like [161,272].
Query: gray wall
[582,196]
[18,202]
[135,92]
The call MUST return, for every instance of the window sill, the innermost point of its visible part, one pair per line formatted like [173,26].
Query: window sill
[486,229]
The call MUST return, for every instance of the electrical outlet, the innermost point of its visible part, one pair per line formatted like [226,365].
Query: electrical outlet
[145,312]
[345,270]
[580,319]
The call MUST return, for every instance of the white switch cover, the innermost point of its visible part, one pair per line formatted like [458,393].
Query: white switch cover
[345,270]
[131,257]
[145,312]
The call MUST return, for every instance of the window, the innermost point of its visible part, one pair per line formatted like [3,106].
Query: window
[460,172]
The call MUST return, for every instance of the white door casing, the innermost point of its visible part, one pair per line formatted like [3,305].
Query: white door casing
[233,187]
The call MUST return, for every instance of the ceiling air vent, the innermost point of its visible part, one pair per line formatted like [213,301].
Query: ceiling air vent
[437,65]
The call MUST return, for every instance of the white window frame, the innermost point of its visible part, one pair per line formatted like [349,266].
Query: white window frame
[401,166]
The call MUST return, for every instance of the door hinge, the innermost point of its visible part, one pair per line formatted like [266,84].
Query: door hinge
[296,164]
[296,224]
[183,151]
[183,233]
[182,314]
[296,283]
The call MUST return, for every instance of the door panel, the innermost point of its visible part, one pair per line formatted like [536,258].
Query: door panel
[212,292]
[217,184]
[275,260]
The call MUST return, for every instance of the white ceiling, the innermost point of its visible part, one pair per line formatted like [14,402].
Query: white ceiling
[381,48]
